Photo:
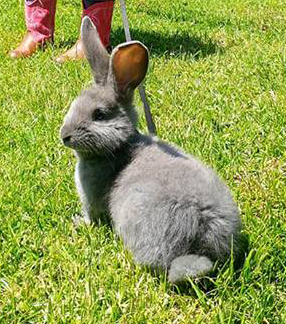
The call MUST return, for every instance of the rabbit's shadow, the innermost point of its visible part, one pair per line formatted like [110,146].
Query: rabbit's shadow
[162,44]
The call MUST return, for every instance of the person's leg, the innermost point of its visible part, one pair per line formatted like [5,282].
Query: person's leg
[100,12]
[88,3]
[40,23]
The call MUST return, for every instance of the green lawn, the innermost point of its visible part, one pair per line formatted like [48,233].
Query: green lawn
[217,88]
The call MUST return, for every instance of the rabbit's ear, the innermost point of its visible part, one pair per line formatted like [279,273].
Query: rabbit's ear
[128,66]
[94,51]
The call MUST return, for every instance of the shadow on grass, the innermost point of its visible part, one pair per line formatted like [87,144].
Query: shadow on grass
[161,44]
[170,44]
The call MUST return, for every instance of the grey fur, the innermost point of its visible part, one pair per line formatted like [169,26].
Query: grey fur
[191,266]
[171,211]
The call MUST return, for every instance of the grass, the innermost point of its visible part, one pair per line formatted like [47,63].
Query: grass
[217,88]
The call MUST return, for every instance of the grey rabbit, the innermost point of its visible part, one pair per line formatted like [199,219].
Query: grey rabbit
[172,212]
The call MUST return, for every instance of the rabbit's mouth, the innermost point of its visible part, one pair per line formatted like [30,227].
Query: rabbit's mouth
[82,149]
[70,143]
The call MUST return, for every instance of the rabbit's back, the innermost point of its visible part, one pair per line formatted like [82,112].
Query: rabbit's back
[166,204]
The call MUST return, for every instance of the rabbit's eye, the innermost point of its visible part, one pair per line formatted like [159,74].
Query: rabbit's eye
[98,115]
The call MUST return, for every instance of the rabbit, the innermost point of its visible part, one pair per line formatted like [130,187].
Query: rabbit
[171,211]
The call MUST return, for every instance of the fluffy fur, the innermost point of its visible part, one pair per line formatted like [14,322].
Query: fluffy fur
[171,211]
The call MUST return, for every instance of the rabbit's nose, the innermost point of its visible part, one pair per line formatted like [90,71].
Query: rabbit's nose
[66,140]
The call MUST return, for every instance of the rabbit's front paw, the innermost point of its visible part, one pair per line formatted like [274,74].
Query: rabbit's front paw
[79,220]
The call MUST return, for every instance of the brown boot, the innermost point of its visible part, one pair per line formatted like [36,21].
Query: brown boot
[40,23]
[27,47]
[74,53]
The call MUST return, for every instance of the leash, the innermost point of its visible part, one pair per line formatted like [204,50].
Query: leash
[150,123]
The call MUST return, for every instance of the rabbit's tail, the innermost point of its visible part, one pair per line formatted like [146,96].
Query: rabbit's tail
[189,266]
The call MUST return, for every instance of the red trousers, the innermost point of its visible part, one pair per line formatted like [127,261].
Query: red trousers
[40,18]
